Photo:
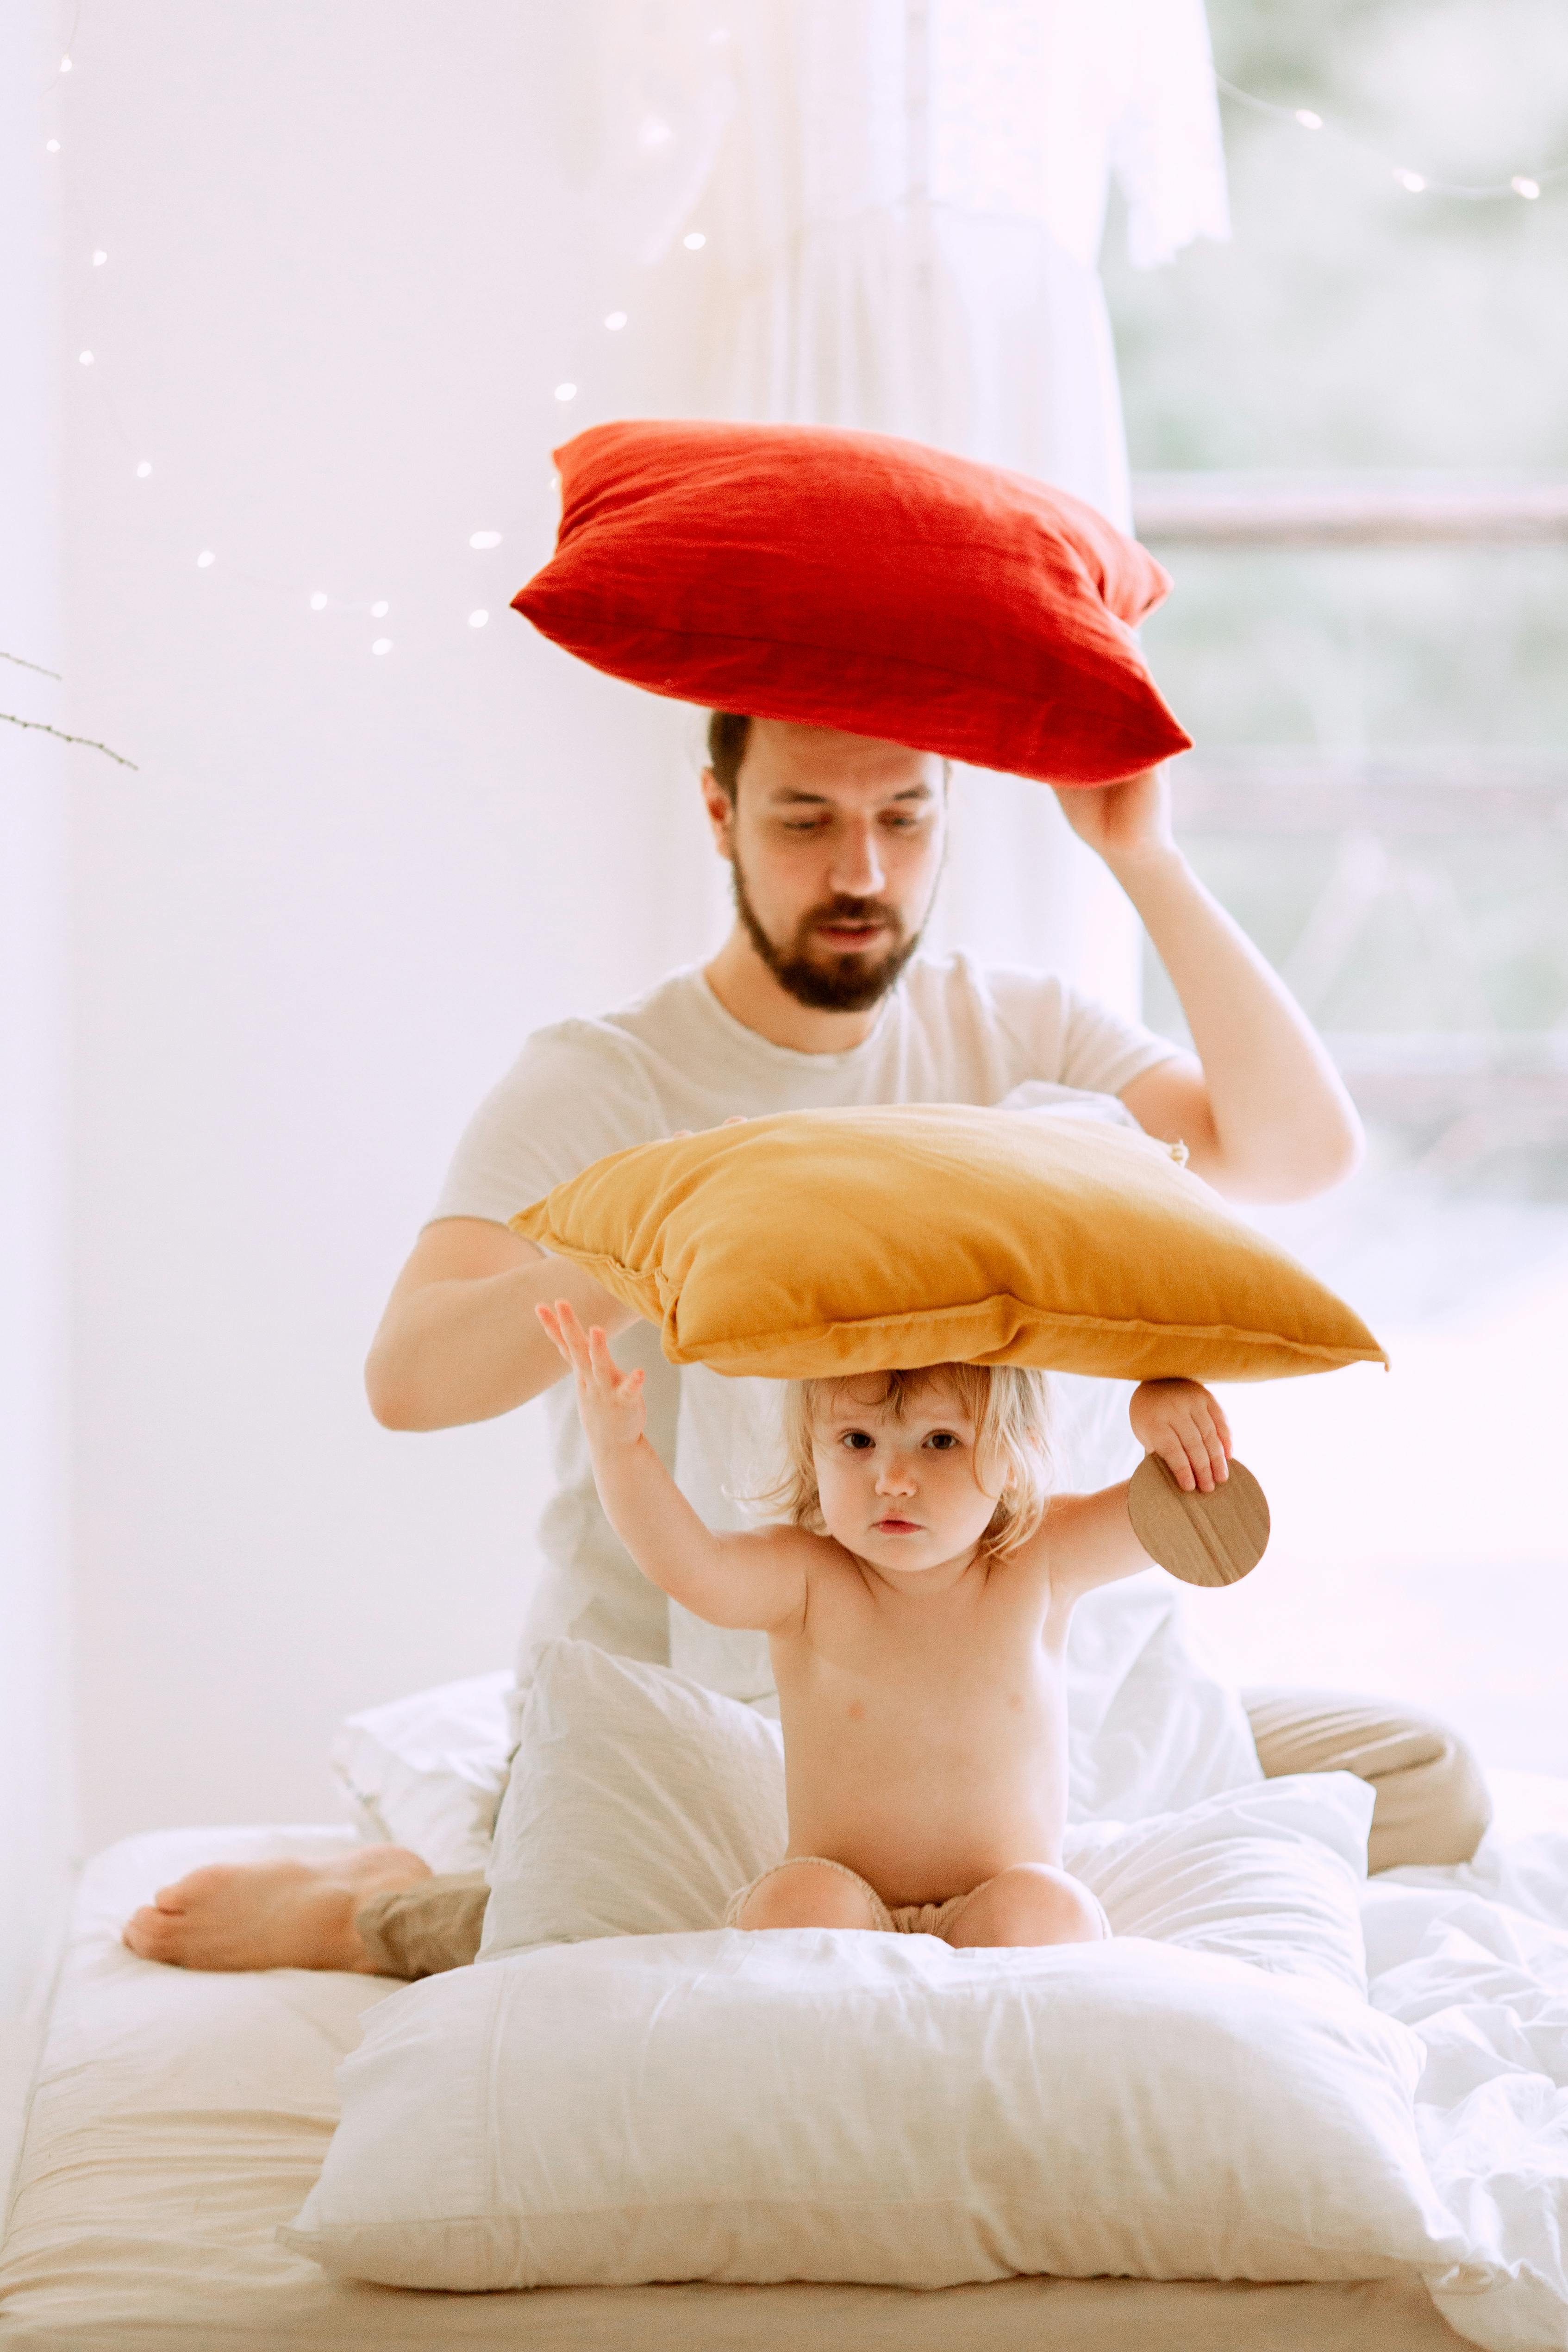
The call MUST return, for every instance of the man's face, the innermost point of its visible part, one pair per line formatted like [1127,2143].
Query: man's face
[835,847]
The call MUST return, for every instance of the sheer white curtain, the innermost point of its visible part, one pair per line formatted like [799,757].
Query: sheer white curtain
[904,202]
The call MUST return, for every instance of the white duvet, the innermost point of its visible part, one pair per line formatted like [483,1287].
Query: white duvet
[1469,1964]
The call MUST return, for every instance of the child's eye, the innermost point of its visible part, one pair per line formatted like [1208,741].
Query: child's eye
[858,1440]
[942,1439]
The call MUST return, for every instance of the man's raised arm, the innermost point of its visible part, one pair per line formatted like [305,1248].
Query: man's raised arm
[460,1340]
[1262,1110]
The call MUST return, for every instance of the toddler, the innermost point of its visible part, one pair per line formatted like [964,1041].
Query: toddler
[916,1606]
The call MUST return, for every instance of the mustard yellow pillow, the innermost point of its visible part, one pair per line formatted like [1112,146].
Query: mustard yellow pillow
[821,1242]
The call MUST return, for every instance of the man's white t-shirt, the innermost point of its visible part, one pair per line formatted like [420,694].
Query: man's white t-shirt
[950,1031]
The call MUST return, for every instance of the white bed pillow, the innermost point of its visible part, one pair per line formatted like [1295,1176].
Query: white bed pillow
[638,1802]
[427,1772]
[806,2104]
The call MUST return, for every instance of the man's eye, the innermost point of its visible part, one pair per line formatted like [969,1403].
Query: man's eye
[802,825]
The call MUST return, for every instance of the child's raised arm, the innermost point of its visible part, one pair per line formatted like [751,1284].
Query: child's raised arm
[752,1580]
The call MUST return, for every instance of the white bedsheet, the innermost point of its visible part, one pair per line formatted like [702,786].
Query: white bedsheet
[221,2088]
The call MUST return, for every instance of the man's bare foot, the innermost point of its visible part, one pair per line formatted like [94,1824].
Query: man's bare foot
[270,1915]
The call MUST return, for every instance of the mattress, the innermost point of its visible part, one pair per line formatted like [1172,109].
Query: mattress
[178,2119]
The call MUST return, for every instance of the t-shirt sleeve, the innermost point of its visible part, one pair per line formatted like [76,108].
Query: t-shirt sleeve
[574,1093]
[1072,1039]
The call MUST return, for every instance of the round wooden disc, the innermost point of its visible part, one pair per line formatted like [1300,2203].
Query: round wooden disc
[1203,1538]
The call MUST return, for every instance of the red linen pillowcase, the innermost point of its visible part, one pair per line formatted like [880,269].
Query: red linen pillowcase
[851,580]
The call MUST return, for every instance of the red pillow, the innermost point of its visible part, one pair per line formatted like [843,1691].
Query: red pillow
[850,580]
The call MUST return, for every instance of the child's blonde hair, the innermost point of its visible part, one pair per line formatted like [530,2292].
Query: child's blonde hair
[1010,1407]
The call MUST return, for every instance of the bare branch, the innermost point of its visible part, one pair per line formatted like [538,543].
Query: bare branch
[38,727]
[27,665]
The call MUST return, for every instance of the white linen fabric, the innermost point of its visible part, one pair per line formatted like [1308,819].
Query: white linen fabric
[427,1772]
[178,2117]
[638,1801]
[950,1031]
[823,2105]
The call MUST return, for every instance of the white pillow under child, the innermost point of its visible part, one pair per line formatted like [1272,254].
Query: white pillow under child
[806,2104]
[427,1772]
[638,1801]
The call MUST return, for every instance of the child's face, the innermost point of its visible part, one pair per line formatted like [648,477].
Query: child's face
[899,1490]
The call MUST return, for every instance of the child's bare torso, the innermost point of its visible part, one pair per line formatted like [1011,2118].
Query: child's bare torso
[924,1732]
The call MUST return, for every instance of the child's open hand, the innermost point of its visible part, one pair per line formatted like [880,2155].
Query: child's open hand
[610,1400]
[1180,1422]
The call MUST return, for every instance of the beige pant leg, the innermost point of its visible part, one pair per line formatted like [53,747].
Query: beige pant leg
[1432,1797]
[419,1931]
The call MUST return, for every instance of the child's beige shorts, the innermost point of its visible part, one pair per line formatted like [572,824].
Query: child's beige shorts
[909,1919]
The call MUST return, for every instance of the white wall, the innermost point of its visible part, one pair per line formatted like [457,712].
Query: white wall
[351,252]
[347,268]
[36,1823]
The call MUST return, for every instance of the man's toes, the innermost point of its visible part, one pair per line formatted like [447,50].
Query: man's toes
[149,1933]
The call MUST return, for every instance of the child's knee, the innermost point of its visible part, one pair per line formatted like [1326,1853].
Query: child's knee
[808,1895]
[1031,1904]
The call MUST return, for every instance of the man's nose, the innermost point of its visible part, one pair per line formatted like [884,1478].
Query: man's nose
[857,870]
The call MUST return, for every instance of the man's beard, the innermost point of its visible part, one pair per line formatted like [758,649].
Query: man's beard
[844,982]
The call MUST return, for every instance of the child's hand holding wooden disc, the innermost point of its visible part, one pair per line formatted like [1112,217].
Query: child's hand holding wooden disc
[1194,1509]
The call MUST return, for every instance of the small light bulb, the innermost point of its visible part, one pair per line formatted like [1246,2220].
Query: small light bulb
[64,64]
[1411,182]
[51,146]
[1522,187]
[484,539]
[381,646]
[85,357]
[99,257]
[1308,120]
[205,558]
[566,392]
[380,609]
[478,620]
[617,319]
[144,468]
[317,601]
[693,240]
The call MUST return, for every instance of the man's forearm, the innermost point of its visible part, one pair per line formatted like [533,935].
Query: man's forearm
[1283,1125]
[456,1351]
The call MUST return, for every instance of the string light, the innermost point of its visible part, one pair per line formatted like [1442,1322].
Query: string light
[566,392]
[206,559]
[99,257]
[380,609]
[144,469]
[693,240]
[64,64]
[317,601]
[484,539]
[1524,184]
[85,357]
[615,321]
[381,646]
[478,620]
